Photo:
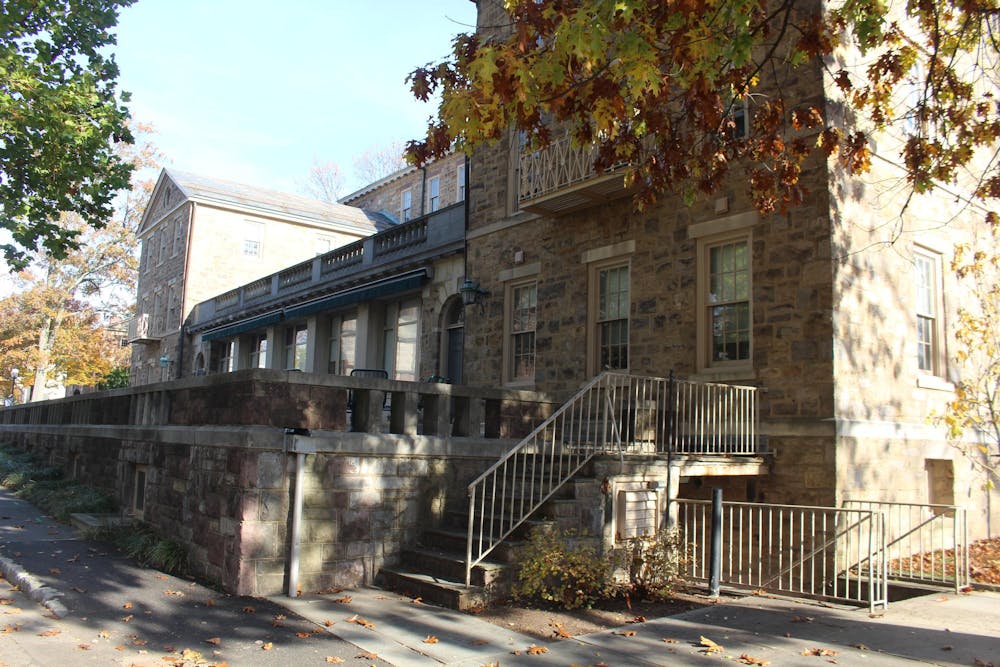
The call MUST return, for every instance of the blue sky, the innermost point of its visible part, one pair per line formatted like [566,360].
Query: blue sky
[253,91]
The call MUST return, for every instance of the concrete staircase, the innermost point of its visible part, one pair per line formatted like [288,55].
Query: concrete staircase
[434,569]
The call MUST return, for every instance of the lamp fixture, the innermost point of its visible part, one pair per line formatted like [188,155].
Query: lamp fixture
[471,292]
[166,362]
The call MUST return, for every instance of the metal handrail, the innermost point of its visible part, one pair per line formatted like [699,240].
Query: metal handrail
[614,413]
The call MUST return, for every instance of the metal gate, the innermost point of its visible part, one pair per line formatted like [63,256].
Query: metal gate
[823,552]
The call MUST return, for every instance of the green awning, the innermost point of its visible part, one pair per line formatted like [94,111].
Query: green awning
[348,297]
[361,293]
[237,328]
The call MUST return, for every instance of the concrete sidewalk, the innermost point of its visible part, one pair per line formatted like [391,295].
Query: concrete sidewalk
[119,613]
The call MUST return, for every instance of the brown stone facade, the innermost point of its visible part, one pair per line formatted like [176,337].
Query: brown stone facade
[386,195]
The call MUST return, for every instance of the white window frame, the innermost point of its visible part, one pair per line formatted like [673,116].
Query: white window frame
[340,332]
[258,351]
[707,302]
[599,314]
[512,332]
[928,310]
[460,183]
[434,194]
[296,350]
[406,205]
[253,239]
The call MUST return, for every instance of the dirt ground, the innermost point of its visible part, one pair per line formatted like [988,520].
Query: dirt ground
[556,623]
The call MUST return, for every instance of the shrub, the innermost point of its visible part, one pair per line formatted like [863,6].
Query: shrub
[42,485]
[652,564]
[562,568]
[141,542]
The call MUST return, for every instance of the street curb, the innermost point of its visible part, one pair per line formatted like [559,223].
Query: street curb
[33,587]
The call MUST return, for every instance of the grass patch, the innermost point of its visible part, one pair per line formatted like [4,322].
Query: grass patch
[141,542]
[42,485]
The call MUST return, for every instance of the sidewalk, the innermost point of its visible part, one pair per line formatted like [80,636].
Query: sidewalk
[169,613]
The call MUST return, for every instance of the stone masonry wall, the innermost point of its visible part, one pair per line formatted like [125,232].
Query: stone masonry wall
[387,196]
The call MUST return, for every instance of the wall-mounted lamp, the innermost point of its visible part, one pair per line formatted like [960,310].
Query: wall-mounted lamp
[14,374]
[471,292]
[166,362]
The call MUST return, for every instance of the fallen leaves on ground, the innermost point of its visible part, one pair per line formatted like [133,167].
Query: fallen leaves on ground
[627,633]
[342,600]
[83,647]
[126,619]
[860,647]
[750,660]
[214,641]
[803,619]
[367,656]
[7,629]
[304,635]
[248,609]
[127,605]
[6,601]
[328,623]
[558,630]
[55,570]
[333,590]
[479,642]
[176,594]
[431,639]
[332,659]
[362,622]
[104,634]
[709,646]
[824,652]
[638,619]
[267,646]
[537,650]
[417,600]
[49,633]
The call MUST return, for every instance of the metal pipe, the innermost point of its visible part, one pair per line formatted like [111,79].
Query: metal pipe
[293,557]
[715,557]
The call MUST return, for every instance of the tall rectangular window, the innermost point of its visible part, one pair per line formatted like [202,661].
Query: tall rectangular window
[434,194]
[523,318]
[224,356]
[253,235]
[258,351]
[296,344]
[460,182]
[927,279]
[613,304]
[178,235]
[407,329]
[728,302]
[343,344]
[406,206]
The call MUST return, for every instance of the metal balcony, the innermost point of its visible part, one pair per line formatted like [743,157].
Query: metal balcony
[560,178]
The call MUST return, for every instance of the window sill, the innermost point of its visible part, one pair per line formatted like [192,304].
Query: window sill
[519,384]
[934,382]
[724,374]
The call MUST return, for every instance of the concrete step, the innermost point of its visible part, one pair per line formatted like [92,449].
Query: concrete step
[444,592]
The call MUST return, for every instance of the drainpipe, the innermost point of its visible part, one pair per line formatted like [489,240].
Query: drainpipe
[294,445]
[423,190]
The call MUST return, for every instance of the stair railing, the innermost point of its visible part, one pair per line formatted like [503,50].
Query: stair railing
[609,415]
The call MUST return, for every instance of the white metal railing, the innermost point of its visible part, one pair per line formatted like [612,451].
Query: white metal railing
[823,552]
[614,413]
[925,543]
[713,418]
[140,328]
[558,165]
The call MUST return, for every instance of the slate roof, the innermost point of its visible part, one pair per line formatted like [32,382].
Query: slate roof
[220,191]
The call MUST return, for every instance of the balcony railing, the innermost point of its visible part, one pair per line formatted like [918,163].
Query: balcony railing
[434,235]
[560,178]
[140,329]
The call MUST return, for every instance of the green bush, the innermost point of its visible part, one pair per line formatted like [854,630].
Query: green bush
[141,542]
[562,568]
[42,485]
[652,564]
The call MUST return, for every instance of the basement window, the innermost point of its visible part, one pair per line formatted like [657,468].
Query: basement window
[139,492]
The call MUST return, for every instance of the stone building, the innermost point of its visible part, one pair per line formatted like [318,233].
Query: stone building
[385,305]
[202,236]
[848,337]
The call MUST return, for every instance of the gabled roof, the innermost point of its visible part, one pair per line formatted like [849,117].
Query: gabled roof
[258,201]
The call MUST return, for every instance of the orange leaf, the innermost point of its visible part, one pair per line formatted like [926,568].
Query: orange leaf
[431,639]
[537,650]
[367,656]
[248,610]
[303,635]
[328,623]
[669,641]
[627,633]
[126,619]
[750,660]
[55,570]
[638,619]
[104,634]
[710,646]
[343,600]
[139,642]
[127,605]
[267,647]
[819,651]
[362,622]
[417,600]
[334,659]
[7,629]
[83,647]
[49,633]
[214,641]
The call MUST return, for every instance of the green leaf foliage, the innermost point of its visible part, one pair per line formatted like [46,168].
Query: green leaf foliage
[60,115]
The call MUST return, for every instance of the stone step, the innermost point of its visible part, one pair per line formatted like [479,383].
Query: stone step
[446,593]
[451,565]
[454,541]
